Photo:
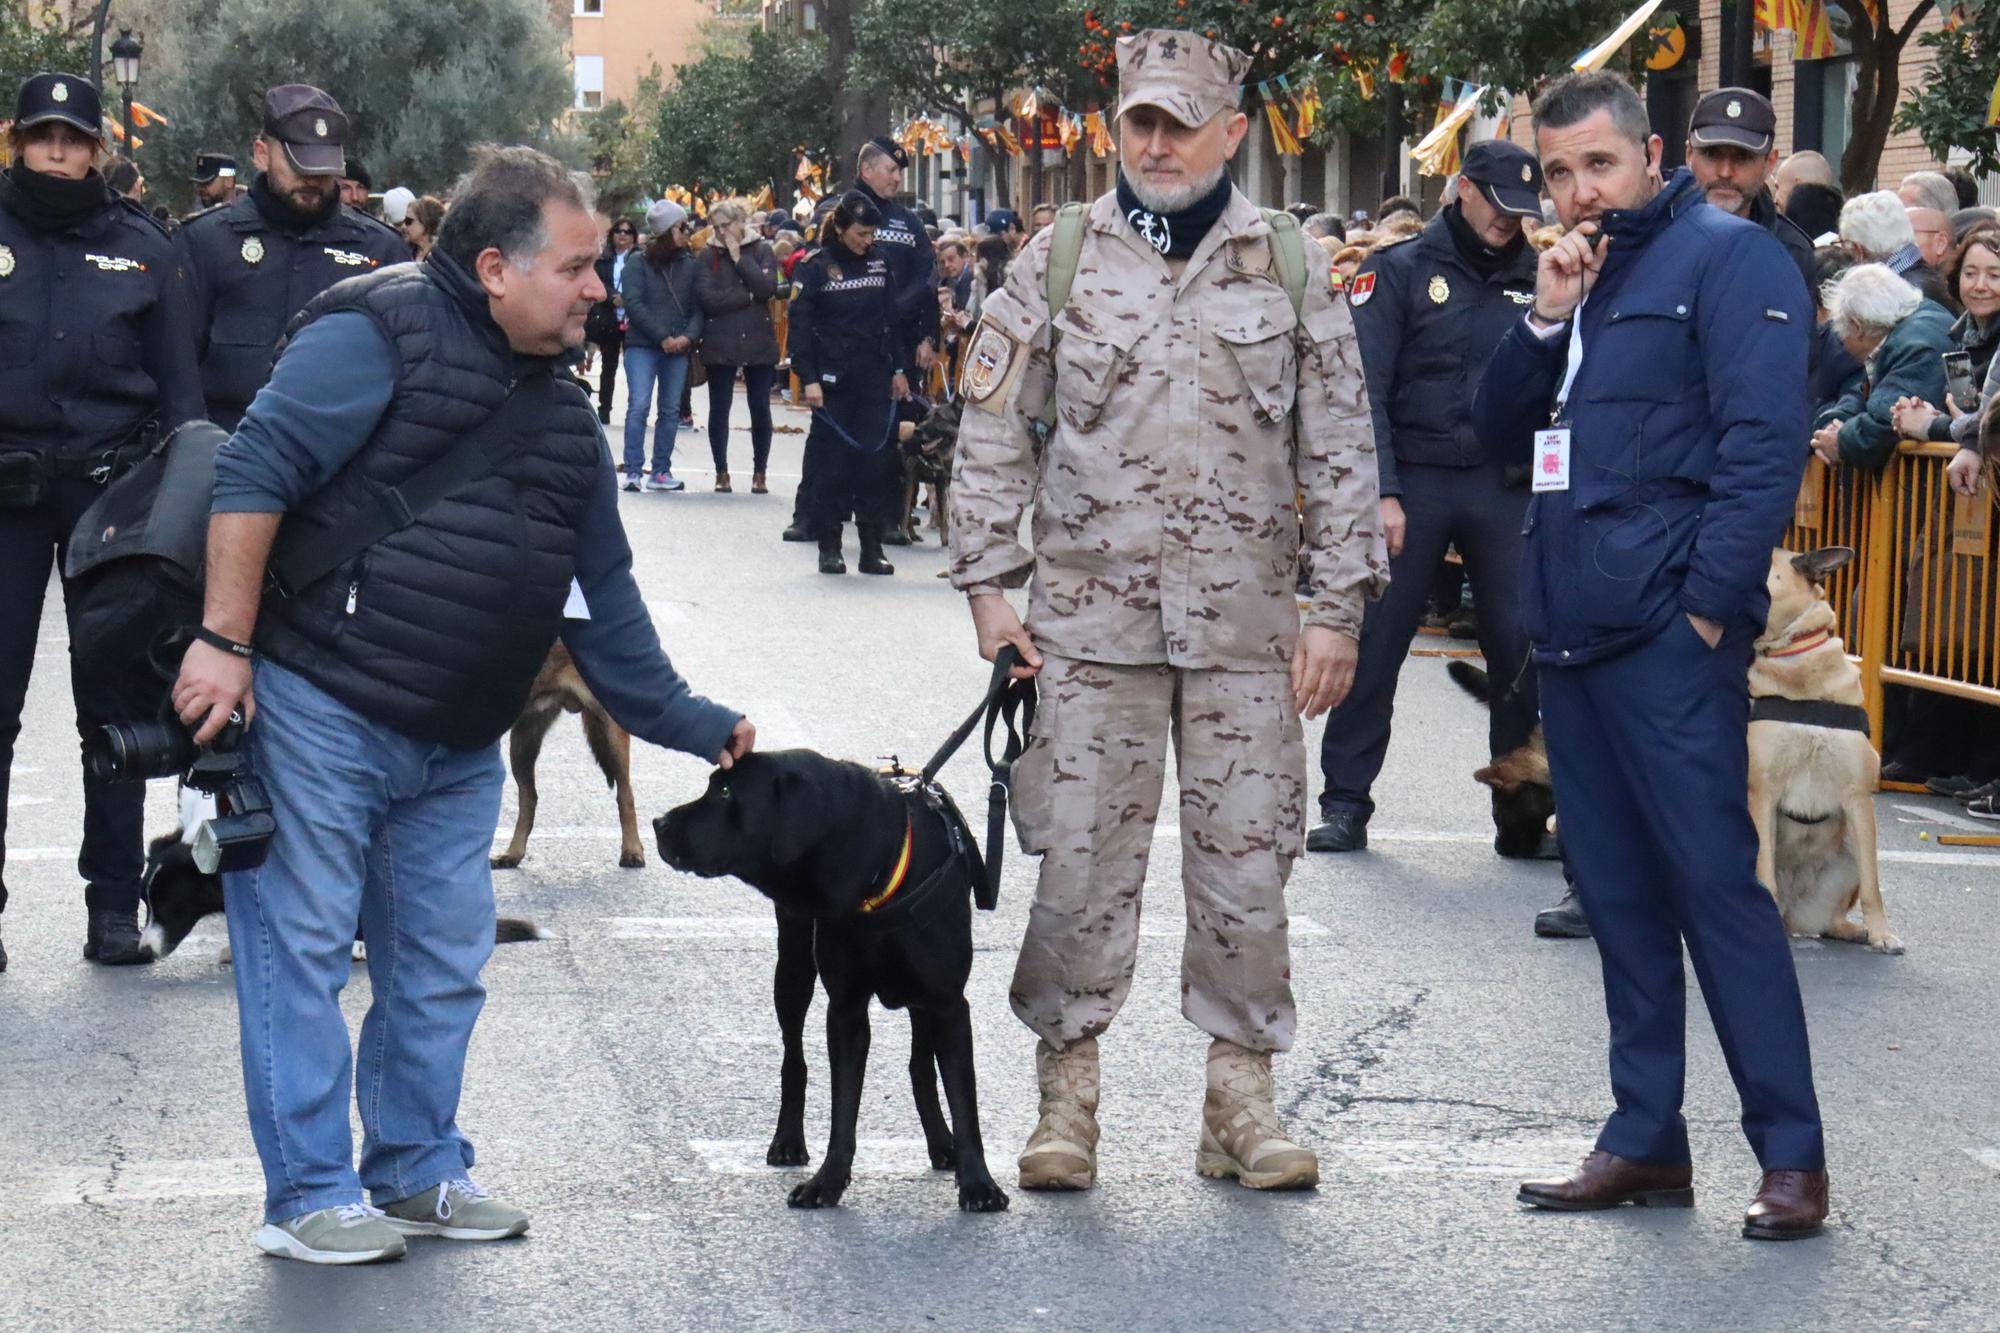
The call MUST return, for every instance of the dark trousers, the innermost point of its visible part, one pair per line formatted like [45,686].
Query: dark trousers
[607,374]
[1442,506]
[1650,753]
[757,381]
[30,545]
[850,481]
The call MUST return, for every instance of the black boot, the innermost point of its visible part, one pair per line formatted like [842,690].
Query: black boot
[1564,921]
[3,956]
[1341,831]
[112,939]
[872,559]
[829,555]
[800,531]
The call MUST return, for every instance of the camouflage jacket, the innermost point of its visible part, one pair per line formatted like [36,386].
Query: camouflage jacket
[1197,420]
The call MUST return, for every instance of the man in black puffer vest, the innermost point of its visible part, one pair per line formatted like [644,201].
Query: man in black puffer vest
[382,688]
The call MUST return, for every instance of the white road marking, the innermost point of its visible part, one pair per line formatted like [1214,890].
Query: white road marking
[16,802]
[1930,816]
[41,853]
[148,1181]
[872,1157]
[765,927]
[1986,1157]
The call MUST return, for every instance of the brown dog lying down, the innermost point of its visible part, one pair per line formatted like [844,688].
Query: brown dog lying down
[559,688]
[1813,768]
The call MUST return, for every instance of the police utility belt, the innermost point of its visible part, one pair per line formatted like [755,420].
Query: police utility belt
[25,474]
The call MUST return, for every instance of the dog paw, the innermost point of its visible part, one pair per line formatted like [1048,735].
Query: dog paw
[504,861]
[1885,943]
[944,1157]
[819,1192]
[632,860]
[787,1150]
[982,1197]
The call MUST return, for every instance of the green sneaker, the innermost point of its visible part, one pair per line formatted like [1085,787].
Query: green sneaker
[456,1210]
[351,1234]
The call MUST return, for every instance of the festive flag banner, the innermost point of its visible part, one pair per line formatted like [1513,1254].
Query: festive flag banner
[1596,56]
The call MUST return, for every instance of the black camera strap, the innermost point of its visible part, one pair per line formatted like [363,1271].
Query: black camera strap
[303,557]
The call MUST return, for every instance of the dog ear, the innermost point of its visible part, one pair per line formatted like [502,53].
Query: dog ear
[1816,565]
[796,833]
[1493,776]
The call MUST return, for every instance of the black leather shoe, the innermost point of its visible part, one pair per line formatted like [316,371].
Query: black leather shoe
[1342,831]
[1464,625]
[1564,921]
[1902,770]
[1547,849]
[895,537]
[798,532]
[112,939]
[1960,787]
[831,563]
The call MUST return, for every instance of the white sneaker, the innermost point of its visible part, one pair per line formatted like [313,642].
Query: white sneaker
[351,1234]
[664,481]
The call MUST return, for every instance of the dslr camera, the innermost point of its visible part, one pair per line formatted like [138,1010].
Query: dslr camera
[235,831]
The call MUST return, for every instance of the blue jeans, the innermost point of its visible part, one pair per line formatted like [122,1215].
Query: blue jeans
[645,368]
[363,813]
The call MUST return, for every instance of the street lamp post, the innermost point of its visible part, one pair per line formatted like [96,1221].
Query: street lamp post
[125,54]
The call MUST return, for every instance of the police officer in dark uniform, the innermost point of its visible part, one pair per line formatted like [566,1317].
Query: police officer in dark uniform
[1428,313]
[847,347]
[906,246]
[95,367]
[214,181]
[256,262]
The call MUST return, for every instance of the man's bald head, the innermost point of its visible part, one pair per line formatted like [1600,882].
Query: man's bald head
[1802,168]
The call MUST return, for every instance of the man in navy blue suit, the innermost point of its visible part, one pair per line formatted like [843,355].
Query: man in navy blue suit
[1661,377]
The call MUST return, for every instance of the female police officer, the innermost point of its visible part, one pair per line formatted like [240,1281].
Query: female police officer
[845,350]
[96,364]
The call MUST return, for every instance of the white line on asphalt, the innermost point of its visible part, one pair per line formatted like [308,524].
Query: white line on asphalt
[872,1157]
[41,853]
[1930,816]
[765,927]
[148,1181]
[1986,1157]
[16,802]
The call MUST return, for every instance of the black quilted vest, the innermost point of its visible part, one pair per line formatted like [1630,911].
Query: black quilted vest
[438,630]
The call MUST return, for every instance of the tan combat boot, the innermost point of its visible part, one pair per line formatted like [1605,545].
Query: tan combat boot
[1062,1152]
[1240,1134]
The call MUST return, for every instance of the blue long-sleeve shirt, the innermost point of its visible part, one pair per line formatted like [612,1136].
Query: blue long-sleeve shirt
[322,403]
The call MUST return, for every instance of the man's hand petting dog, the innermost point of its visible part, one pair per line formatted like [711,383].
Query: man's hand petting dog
[212,685]
[742,740]
[1322,669]
[994,621]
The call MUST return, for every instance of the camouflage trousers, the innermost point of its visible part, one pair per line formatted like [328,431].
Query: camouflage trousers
[1086,798]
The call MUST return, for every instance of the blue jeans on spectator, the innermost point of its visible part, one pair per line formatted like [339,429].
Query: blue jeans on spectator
[649,370]
[393,832]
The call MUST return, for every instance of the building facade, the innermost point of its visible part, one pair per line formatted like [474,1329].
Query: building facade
[615,43]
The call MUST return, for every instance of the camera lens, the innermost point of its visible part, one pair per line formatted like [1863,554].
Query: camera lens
[133,752]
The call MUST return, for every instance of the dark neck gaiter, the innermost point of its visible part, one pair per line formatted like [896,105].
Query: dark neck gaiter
[1174,235]
[1484,259]
[53,203]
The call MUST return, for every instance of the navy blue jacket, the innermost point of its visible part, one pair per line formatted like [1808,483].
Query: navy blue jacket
[1688,430]
[1426,326]
[662,303]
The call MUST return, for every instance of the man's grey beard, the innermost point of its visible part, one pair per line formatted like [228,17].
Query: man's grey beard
[1173,201]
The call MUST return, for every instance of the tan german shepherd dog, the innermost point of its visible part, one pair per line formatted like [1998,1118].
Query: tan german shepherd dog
[1813,768]
[558,689]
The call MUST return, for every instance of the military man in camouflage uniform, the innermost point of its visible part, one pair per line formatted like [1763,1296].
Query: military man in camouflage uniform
[1193,418]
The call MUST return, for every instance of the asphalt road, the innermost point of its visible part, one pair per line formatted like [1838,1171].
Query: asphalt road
[622,1082]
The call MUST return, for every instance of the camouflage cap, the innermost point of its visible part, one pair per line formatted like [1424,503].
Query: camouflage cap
[1190,77]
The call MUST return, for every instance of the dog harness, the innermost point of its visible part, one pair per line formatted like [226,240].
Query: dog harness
[1810,713]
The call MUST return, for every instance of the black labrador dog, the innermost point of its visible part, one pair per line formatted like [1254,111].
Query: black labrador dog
[871,891]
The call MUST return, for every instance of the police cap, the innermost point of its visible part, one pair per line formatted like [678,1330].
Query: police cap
[895,151]
[59,97]
[1507,174]
[207,166]
[1739,117]
[311,126]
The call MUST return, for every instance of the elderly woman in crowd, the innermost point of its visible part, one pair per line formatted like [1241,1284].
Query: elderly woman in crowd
[1975,275]
[1899,337]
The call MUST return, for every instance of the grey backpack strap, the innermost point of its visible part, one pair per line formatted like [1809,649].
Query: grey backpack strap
[1065,250]
[1288,256]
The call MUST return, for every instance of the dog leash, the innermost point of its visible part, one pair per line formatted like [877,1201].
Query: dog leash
[1008,704]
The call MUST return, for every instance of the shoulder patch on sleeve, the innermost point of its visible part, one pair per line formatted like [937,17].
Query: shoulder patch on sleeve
[1360,288]
[992,363]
